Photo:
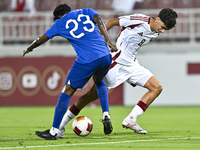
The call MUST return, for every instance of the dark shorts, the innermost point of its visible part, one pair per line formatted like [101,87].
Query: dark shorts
[80,74]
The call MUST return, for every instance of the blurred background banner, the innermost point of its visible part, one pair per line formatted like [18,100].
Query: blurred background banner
[38,81]
[21,26]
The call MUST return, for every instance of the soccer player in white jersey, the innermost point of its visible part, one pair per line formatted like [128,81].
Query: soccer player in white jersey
[137,31]
[81,28]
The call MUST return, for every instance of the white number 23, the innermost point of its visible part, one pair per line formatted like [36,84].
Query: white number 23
[88,21]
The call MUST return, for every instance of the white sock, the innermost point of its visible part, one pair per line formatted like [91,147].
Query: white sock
[67,117]
[106,113]
[136,111]
[54,131]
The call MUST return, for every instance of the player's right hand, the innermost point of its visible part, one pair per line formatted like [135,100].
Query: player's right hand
[26,51]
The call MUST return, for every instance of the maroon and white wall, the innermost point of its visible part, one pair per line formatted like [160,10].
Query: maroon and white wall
[178,71]
[39,80]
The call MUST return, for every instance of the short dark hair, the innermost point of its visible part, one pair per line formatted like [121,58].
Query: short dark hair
[168,17]
[60,10]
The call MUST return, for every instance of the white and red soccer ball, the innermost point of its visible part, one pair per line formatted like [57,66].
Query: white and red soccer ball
[82,126]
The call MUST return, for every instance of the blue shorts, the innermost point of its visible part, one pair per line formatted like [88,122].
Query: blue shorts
[80,74]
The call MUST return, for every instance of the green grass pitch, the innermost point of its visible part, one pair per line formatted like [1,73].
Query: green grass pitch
[169,128]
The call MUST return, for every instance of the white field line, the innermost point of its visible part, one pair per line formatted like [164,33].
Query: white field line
[100,143]
[100,137]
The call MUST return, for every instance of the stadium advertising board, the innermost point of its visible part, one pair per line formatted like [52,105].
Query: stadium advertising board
[39,80]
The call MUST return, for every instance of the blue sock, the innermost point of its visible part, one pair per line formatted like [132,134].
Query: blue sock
[103,95]
[60,110]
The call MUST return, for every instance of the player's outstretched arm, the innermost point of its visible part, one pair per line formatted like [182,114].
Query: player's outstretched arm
[104,32]
[111,23]
[37,42]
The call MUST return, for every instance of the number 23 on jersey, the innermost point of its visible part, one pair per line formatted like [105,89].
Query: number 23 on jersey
[76,25]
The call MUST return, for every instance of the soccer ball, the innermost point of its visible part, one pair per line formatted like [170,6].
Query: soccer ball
[82,126]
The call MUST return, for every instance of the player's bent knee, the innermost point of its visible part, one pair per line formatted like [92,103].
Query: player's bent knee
[158,89]
[68,89]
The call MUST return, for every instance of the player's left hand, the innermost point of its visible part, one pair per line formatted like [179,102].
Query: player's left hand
[112,46]
[26,51]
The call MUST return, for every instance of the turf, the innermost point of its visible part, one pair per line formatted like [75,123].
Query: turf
[169,128]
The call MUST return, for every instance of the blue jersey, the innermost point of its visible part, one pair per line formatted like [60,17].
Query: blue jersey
[82,32]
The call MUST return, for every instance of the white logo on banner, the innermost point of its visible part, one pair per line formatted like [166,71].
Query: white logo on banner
[6,81]
[29,80]
[52,81]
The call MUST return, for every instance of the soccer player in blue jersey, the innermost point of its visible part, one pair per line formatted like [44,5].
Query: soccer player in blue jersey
[81,28]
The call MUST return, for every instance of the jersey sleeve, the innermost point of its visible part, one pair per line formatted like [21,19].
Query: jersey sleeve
[92,13]
[134,19]
[52,31]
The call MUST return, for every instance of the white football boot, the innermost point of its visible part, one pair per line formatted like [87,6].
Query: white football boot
[60,133]
[133,126]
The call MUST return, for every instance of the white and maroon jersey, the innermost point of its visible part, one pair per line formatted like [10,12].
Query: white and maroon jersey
[135,33]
